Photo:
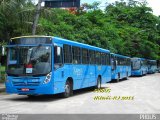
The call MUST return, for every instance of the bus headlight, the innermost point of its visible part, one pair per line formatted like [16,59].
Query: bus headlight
[48,78]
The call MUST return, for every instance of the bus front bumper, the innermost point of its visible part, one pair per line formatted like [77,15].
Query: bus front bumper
[30,90]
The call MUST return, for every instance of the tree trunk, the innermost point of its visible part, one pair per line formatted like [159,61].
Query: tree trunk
[36,17]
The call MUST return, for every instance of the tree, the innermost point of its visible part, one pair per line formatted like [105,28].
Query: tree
[36,17]
[15,18]
[127,28]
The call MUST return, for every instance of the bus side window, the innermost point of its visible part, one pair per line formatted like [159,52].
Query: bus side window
[116,62]
[113,62]
[67,50]
[58,60]
[141,62]
[120,61]
[108,59]
[91,57]
[103,58]
[85,56]
[76,51]
[98,58]
[127,61]
[12,59]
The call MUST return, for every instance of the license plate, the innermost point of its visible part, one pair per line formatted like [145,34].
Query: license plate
[25,89]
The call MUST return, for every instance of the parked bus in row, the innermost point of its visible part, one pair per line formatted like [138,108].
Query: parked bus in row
[152,66]
[50,65]
[139,66]
[121,66]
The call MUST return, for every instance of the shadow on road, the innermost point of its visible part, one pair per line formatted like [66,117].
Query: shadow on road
[115,81]
[40,98]
[50,98]
[123,80]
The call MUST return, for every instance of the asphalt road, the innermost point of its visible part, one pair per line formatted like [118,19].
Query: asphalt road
[142,95]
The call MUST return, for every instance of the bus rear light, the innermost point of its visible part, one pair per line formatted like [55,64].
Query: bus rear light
[48,78]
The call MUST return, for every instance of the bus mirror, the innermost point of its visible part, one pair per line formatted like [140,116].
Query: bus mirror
[116,62]
[58,51]
[3,51]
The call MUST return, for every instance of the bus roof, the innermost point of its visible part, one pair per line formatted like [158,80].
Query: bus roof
[122,56]
[138,58]
[65,41]
[152,60]
[78,44]
[30,36]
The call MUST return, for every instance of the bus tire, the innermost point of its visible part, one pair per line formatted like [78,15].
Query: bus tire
[98,86]
[68,89]
[141,74]
[118,77]
[126,76]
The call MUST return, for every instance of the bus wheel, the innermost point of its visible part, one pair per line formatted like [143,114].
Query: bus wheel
[118,77]
[68,89]
[98,86]
[141,74]
[126,76]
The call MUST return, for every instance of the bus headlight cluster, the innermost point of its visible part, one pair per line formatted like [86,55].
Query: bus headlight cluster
[48,78]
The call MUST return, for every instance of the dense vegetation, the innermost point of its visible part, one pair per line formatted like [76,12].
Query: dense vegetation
[126,28]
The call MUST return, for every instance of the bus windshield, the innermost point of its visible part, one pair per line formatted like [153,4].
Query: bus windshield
[33,60]
[136,65]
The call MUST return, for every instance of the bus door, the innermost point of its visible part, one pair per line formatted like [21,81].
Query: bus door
[113,63]
[57,61]
[92,68]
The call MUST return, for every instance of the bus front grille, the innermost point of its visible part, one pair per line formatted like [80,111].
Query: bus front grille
[26,84]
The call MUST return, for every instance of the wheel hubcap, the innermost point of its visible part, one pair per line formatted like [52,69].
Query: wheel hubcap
[67,88]
[99,84]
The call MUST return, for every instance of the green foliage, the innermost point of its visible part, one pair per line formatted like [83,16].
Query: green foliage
[2,74]
[127,28]
[14,18]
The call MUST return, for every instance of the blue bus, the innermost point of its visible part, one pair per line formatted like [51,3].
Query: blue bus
[139,66]
[152,66]
[50,65]
[121,66]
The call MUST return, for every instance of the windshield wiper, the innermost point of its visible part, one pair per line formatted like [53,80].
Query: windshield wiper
[35,52]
